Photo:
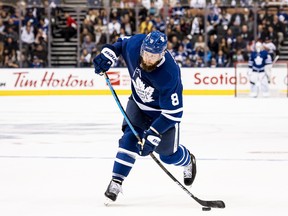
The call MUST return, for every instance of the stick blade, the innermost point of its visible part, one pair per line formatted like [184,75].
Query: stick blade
[212,204]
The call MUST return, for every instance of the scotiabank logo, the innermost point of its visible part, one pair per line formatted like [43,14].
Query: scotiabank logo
[114,77]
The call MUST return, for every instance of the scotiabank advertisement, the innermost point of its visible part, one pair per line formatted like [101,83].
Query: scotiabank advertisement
[83,81]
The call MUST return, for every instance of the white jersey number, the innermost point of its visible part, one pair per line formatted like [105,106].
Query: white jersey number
[174,99]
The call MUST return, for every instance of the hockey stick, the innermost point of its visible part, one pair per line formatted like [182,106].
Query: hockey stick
[275,60]
[212,204]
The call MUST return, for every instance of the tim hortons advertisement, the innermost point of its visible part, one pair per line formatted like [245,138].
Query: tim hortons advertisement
[83,81]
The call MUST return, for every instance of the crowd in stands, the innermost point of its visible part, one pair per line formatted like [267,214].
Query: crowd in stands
[225,36]
[31,28]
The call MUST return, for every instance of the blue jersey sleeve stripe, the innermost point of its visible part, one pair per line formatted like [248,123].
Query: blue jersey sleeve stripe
[176,119]
[173,111]
[147,108]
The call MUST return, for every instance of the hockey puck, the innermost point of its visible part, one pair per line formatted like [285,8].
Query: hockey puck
[206,208]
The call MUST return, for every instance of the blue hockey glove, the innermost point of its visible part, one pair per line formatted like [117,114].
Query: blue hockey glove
[105,59]
[150,141]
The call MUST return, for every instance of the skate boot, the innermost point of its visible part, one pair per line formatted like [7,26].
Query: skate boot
[114,187]
[190,171]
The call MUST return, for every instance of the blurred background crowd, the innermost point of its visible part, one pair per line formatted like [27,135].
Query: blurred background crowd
[69,33]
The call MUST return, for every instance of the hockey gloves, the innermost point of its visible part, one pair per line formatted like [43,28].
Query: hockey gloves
[105,59]
[150,141]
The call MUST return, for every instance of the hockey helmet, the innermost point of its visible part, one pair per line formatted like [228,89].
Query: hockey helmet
[155,42]
[258,46]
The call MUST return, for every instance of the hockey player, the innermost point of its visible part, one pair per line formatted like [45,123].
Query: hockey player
[155,107]
[259,71]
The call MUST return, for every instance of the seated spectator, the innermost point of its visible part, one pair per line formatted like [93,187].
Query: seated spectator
[197,3]
[200,42]
[270,47]
[146,26]
[159,24]
[127,25]
[240,44]
[84,33]
[41,55]
[239,57]
[114,25]
[245,34]
[2,27]
[85,58]
[89,45]
[10,61]
[100,38]
[213,63]
[71,28]
[213,45]
[1,52]
[180,55]
[199,62]
[27,38]
[220,59]
[36,63]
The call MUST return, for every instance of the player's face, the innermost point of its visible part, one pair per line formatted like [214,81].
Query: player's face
[149,61]
[150,58]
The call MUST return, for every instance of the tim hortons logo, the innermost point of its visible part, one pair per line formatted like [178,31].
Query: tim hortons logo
[49,79]
[114,77]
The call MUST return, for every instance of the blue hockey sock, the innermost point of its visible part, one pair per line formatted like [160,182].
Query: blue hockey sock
[180,158]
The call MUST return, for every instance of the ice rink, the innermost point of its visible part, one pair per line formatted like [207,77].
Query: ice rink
[56,158]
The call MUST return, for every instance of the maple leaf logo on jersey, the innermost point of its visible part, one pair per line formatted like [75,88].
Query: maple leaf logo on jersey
[258,60]
[145,94]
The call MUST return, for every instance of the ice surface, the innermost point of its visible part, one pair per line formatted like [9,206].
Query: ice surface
[56,158]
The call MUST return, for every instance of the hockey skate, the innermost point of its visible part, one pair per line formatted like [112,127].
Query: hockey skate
[190,171]
[114,187]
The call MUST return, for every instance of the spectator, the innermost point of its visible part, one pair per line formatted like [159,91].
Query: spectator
[199,62]
[197,3]
[100,38]
[71,28]
[127,25]
[240,44]
[146,26]
[261,33]
[213,45]
[84,33]
[200,42]
[89,45]
[220,59]
[41,55]
[159,24]
[36,63]
[2,27]
[245,34]
[114,25]
[180,55]
[237,20]
[279,27]
[10,61]
[270,47]
[27,38]
[197,27]
[85,58]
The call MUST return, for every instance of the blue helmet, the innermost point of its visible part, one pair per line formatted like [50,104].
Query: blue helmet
[155,42]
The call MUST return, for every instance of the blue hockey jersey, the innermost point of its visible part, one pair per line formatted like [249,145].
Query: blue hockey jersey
[158,93]
[257,61]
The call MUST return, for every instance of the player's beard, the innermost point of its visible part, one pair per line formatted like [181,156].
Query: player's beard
[148,68]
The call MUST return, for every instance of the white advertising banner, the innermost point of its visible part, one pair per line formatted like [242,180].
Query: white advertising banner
[83,81]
